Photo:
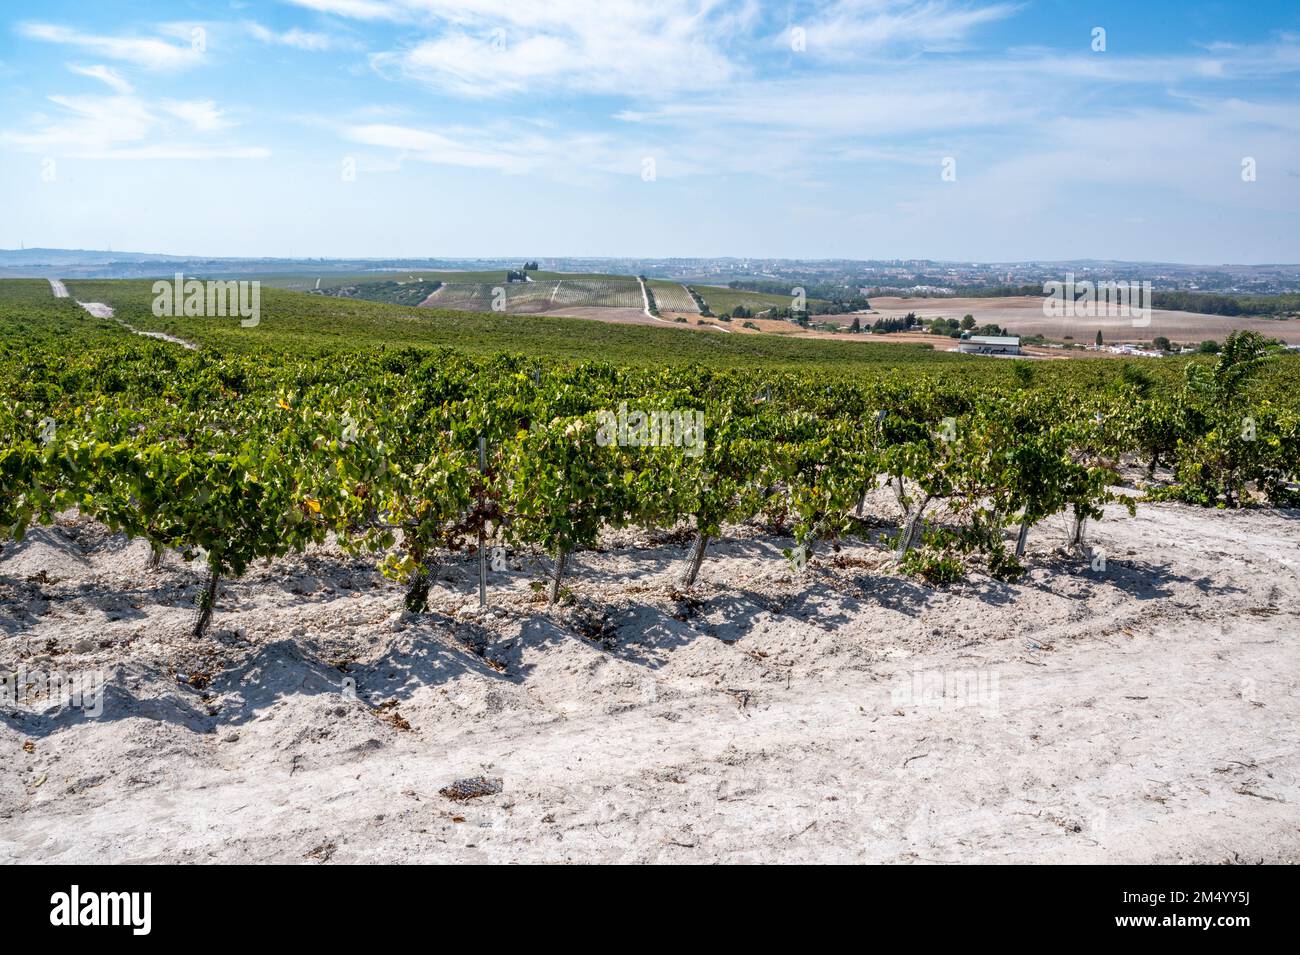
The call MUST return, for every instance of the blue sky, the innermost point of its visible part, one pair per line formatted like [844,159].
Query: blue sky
[806,129]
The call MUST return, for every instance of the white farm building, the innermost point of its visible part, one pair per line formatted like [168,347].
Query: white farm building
[990,345]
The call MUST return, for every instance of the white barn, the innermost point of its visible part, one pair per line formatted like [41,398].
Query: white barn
[990,345]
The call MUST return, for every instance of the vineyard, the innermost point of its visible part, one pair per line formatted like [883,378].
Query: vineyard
[672,297]
[702,552]
[545,294]
[614,292]
[235,457]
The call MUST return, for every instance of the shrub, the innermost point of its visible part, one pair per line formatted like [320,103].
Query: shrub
[937,567]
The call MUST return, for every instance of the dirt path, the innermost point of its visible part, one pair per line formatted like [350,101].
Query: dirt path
[431,296]
[1147,712]
[645,299]
[100,310]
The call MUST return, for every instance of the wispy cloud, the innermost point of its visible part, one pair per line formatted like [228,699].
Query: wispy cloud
[355,9]
[96,122]
[300,39]
[149,53]
[128,127]
[446,148]
[848,27]
[200,115]
[524,149]
[104,74]
[486,48]
[619,47]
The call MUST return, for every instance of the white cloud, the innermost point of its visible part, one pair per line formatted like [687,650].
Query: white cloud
[175,151]
[595,46]
[98,122]
[517,149]
[847,27]
[127,127]
[436,147]
[1006,118]
[483,48]
[147,52]
[104,74]
[887,105]
[355,9]
[201,115]
[299,39]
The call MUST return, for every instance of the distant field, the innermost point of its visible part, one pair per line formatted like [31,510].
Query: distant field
[1024,316]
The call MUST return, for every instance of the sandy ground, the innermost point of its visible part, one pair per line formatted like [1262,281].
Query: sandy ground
[1146,711]
[1024,316]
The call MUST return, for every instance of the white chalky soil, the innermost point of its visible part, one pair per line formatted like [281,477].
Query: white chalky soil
[1144,713]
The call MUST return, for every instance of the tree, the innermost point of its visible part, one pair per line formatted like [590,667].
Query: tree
[856,326]
[1208,347]
[1163,343]
[726,483]
[565,487]
[968,322]
[1099,338]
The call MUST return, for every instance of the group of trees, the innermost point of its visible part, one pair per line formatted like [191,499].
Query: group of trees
[883,326]
[955,328]
[702,305]
[237,458]
[1227,303]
